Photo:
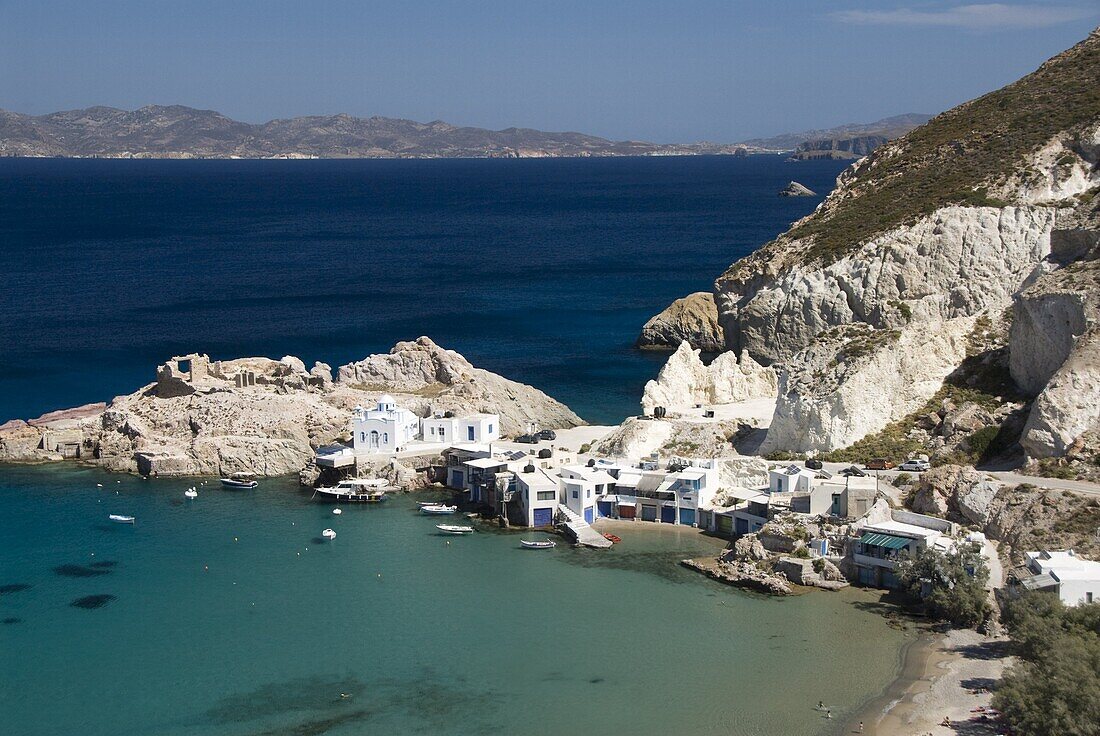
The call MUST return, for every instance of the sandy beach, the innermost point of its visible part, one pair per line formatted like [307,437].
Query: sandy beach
[940,677]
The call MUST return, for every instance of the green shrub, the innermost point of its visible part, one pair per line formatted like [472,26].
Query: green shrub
[956,595]
[902,479]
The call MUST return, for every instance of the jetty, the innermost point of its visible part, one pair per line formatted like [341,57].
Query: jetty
[581,530]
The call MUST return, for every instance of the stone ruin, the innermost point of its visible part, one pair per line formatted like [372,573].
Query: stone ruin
[185,374]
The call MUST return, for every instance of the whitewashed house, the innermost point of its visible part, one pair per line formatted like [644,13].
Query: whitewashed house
[386,428]
[537,495]
[1074,580]
[480,428]
[581,486]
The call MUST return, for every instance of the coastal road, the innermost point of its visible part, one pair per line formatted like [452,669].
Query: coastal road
[1004,476]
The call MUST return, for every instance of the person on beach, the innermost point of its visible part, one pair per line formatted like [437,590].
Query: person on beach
[821,705]
[861,726]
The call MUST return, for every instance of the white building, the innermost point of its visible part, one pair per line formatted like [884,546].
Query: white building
[794,479]
[1075,581]
[881,545]
[480,428]
[537,495]
[667,496]
[386,428]
[581,486]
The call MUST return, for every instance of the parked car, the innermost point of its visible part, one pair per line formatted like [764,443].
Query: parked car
[879,463]
[547,434]
[915,466]
[813,464]
[527,439]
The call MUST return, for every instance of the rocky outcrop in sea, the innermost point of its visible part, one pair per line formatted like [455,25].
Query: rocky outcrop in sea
[265,416]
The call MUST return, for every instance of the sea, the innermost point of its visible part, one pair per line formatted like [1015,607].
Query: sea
[229,613]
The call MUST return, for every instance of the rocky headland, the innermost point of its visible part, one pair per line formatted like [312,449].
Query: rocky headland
[203,417]
[983,220]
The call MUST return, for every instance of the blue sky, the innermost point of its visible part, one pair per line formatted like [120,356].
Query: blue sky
[683,70]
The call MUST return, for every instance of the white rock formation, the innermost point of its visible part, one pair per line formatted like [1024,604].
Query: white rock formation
[685,381]
[635,438]
[857,381]
[958,262]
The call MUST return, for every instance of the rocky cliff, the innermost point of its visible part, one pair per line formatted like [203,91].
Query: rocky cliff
[917,240]
[1054,349]
[266,416]
[693,318]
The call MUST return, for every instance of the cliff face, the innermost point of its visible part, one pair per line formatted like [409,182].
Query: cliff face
[266,416]
[1054,349]
[927,233]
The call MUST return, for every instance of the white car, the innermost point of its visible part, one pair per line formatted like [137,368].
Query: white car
[916,466]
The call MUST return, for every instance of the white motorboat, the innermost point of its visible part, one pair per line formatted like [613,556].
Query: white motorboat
[540,544]
[191,493]
[438,508]
[120,519]
[328,534]
[454,529]
[337,511]
[355,490]
[240,480]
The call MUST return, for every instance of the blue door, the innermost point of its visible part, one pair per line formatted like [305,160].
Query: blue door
[668,514]
[588,514]
[603,508]
[544,517]
[687,516]
[470,433]
[742,526]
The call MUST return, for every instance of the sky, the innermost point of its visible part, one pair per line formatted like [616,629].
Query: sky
[673,71]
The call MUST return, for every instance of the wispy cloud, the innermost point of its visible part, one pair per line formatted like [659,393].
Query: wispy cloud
[984,16]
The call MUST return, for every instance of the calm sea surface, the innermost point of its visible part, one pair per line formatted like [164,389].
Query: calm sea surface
[230,617]
[541,270]
[227,615]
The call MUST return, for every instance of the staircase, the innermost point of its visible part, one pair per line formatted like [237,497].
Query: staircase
[581,530]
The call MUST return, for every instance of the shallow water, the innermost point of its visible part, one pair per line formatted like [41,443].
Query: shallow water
[227,617]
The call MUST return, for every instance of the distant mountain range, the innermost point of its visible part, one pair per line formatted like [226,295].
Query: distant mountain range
[888,128]
[176,131]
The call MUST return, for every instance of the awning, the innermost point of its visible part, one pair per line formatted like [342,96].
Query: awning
[889,541]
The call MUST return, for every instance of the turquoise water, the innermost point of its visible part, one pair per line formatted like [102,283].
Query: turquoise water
[230,617]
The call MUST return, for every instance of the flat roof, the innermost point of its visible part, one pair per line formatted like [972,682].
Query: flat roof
[485,462]
[898,527]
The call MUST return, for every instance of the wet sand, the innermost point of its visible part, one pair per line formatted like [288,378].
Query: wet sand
[938,676]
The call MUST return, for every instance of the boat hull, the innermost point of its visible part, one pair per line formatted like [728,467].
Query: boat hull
[239,484]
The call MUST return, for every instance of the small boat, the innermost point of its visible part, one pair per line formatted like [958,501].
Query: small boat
[355,490]
[540,544]
[612,538]
[120,519]
[454,529]
[438,508]
[191,493]
[240,480]
[328,534]
[337,511]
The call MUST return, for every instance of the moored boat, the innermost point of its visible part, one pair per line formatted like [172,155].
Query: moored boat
[191,493]
[355,490]
[438,508]
[454,529]
[329,534]
[240,480]
[539,544]
[121,519]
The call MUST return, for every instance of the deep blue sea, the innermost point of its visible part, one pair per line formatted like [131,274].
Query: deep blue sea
[542,270]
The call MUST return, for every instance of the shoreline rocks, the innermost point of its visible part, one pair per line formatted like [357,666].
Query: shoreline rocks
[740,574]
[263,416]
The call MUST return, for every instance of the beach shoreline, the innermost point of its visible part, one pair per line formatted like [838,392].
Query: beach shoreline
[937,678]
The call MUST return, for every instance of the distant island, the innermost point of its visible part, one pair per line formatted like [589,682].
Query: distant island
[177,131]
